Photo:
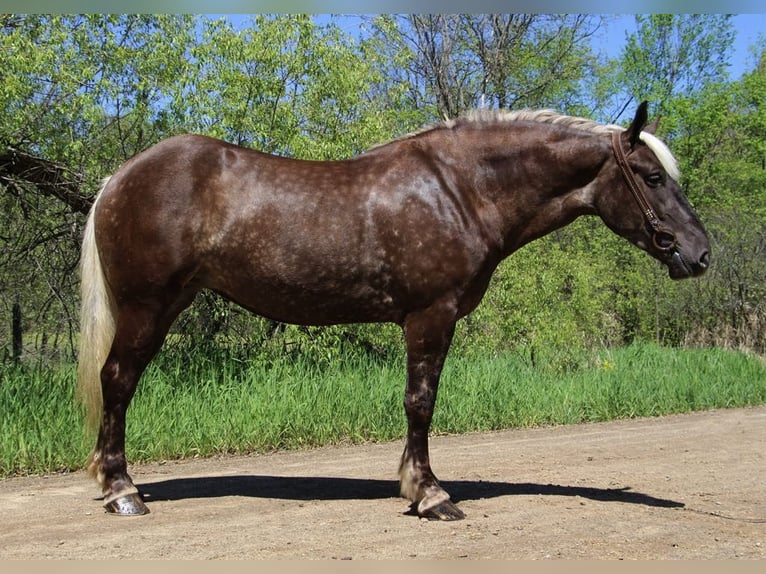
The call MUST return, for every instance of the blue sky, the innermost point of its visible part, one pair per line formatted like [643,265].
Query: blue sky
[373,6]
[750,29]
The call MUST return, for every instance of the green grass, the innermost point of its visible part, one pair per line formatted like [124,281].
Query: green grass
[211,404]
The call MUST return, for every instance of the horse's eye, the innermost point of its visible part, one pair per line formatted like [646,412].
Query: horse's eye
[653,179]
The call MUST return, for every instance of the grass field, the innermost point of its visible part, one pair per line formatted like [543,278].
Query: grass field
[203,405]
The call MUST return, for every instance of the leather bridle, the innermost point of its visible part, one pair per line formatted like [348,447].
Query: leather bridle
[662,238]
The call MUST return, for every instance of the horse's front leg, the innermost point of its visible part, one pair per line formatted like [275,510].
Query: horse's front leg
[428,335]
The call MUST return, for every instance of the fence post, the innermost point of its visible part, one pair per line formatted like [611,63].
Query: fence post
[16,330]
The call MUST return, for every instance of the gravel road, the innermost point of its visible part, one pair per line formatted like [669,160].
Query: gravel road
[687,486]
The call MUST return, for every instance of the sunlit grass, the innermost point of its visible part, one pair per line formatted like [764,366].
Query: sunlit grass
[215,403]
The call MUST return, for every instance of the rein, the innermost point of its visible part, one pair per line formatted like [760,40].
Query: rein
[662,238]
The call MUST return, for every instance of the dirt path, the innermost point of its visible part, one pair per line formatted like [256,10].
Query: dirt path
[691,486]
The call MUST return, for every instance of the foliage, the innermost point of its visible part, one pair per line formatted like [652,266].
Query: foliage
[719,135]
[674,55]
[288,86]
[83,92]
[454,62]
[79,94]
[549,299]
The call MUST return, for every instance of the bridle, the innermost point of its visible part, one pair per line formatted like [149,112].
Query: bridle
[662,238]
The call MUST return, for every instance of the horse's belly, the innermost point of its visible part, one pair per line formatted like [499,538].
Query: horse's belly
[312,304]
[319,263]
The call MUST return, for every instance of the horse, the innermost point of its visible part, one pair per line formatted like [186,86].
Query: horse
[408,232]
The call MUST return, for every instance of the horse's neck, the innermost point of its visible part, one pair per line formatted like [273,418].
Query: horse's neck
[538,180]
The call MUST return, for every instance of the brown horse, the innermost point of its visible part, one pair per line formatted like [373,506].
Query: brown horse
[409,232]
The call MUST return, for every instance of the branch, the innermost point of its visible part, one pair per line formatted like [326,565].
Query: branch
[50,178]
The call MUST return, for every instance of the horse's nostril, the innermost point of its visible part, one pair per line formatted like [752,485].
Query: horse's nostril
[705,260]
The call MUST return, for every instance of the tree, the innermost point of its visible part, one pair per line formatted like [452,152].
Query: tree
[456,62]
[672,55]
[79,94]
[720,142]
[286,85]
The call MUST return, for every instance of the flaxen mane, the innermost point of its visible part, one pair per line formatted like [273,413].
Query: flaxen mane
[546,116]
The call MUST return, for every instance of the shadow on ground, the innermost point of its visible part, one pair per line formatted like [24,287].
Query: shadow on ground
[333,488]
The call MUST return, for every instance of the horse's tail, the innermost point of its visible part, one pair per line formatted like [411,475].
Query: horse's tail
[97,322]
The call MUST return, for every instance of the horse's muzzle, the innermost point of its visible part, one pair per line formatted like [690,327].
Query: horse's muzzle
[682,267]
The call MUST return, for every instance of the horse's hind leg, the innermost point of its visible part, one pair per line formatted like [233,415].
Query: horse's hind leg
[140,332]
[428,336]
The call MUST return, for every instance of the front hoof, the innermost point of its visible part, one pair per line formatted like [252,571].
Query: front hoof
[445,510]
[127,505]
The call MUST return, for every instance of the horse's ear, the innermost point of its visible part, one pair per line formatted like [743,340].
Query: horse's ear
[638,123]
[651,128]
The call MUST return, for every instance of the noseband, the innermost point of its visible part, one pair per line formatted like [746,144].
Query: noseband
[662,238]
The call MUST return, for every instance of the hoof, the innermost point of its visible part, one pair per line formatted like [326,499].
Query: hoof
[445,511]
[127,505]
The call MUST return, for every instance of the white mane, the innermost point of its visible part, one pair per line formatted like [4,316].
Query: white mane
[489,116]
[663,154]
[543,116]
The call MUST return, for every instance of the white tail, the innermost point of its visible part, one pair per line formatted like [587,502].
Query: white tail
[97,326]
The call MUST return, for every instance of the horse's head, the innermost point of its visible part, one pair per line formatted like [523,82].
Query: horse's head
[644,203]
